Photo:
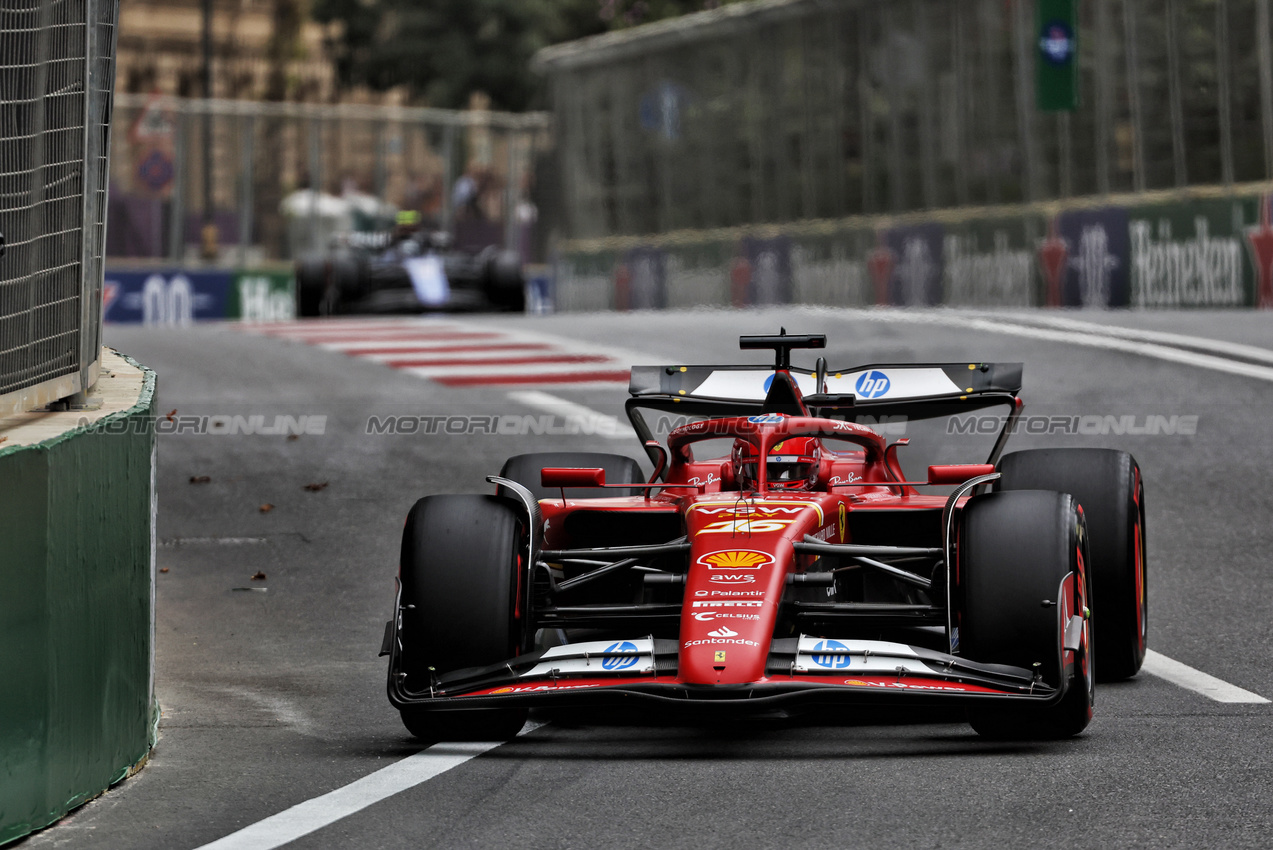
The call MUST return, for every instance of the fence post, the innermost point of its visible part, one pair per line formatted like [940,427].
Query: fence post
[177,204]
[1224,109]
[1024,91]
[448,174]
[1173,84]
[315,182]
[1133,94]
[866,116]
[1066,165]
[1103,97]
[1266,82]
[511,190]
[247,161]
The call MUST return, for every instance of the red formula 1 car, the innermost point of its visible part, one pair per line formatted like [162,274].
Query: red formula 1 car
[795,565]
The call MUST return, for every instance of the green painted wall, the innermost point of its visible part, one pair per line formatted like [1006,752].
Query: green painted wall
[77,709]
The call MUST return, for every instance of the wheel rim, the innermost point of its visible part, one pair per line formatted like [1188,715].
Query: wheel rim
[1138,555]
[1089,674]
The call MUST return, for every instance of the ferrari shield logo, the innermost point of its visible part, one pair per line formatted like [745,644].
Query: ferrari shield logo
[843,522]
[720,656]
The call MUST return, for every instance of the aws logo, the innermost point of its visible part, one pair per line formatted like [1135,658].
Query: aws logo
[735,559]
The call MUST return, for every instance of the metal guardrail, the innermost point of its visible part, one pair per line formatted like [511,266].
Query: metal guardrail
[56,78]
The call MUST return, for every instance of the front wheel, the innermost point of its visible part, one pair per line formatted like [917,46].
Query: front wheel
[460,570]
[1107,484]
[1022,578]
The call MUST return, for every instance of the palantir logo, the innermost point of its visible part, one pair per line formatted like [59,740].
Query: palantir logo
[873,384]
[826,655]
[622,662]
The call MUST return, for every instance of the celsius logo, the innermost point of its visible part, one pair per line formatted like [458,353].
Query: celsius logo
[823,655]
[873,384]
[622,662]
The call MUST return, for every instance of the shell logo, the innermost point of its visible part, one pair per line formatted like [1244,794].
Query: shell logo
[735,559]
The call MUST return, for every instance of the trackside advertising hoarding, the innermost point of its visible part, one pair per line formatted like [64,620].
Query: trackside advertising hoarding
[1173,253]
[182,296]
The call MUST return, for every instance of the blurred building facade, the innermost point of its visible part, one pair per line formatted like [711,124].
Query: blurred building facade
[261,50]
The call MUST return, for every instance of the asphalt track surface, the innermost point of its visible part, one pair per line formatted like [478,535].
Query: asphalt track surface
[273,695]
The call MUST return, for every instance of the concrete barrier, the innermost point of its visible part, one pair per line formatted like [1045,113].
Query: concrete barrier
[77,490]
[1200,247]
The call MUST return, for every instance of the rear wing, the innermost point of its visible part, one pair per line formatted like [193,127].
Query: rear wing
[737,389]
[910,390]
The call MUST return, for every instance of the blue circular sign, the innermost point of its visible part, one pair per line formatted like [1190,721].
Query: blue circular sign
[873,384]
[1056,42]
[621,662]
[156,171]
[831,662]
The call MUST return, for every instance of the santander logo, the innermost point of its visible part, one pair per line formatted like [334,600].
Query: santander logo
[723,632]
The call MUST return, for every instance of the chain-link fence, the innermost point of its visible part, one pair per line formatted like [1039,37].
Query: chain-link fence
[245,183]
[780,110]
[56,78]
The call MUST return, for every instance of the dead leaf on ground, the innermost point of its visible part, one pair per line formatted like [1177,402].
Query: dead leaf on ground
[200,479]
[314,488]
[2,439]
[171,414]
[266,508]
[258,576]
[291,437]
[163,569]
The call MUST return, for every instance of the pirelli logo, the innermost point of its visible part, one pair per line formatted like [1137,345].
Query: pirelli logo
[729,603]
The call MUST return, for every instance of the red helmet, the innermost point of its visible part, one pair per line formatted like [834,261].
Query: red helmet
[793,464]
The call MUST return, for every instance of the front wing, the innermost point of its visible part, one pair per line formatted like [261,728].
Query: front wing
[801,671]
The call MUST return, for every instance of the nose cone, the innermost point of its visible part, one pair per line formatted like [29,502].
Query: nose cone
[731,603]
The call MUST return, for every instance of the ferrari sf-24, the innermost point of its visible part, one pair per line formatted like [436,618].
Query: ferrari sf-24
[798,568]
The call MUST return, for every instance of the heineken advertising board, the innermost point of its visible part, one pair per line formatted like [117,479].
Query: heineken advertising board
[1201,253]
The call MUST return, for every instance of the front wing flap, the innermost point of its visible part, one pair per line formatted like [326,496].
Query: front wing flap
[805,670]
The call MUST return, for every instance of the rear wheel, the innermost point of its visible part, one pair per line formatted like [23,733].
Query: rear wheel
[620,469]
[311,287]
[1021,576]
[1107,484]
[459,571]
[503,281]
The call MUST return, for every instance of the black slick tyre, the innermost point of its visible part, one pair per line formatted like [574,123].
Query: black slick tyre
[459,569]
[1020,567]
[1108,485]
[620,469]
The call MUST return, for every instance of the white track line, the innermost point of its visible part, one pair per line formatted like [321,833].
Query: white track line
[1200,343]
[312,815]
[590,421]
[1075,337]
[1195,680]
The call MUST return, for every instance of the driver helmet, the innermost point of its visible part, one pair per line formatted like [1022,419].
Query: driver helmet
[792,465]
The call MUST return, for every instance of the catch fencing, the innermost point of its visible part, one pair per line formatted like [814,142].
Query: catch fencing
[246,184]
[56,79]
[785,110]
